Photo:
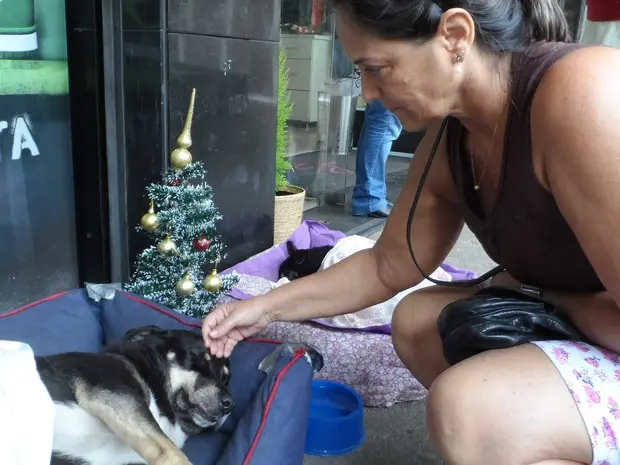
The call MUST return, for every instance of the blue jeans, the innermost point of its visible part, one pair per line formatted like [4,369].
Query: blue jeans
[379,130]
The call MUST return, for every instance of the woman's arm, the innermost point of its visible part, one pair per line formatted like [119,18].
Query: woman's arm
[372,276]
[595,314]
[576,127]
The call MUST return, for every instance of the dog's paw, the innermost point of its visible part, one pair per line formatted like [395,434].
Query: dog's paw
[173,458]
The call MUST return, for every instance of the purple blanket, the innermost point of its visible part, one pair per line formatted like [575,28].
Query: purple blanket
[309,234]
[266,264]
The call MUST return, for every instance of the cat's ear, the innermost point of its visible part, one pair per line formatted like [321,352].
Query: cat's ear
[290,247]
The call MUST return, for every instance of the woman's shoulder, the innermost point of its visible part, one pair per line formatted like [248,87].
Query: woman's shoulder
[576,104]
[565,56]
[576,82]
[578,62]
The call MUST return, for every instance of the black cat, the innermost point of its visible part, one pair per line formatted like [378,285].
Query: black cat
[302,262]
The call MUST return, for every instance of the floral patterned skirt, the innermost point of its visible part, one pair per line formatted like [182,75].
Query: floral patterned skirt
[592,376]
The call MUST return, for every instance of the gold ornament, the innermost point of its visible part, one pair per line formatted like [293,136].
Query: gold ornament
[185,286]
[167,245]
[212,282]
[149,220]
[181,157]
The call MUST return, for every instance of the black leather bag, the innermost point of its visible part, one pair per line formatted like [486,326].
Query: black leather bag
[498,318]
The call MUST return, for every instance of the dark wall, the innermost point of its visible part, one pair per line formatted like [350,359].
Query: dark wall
[155,52]
[229,51]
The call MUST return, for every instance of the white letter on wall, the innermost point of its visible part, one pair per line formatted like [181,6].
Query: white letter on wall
[22,139]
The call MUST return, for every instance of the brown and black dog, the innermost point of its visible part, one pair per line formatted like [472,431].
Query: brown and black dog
[138,401]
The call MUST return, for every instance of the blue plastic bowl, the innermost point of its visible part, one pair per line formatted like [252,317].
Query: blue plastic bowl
[336,421]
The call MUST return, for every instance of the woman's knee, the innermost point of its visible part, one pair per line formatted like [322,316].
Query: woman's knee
[414,330]
[455,426]
[414,326]
[417,313]
[505,406]
[409,323]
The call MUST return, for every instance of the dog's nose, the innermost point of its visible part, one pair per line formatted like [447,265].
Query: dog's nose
[227,403]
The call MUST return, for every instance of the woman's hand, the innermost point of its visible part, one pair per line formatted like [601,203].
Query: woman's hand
[230,323]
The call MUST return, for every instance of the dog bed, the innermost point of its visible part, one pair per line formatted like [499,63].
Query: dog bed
[366,361]
[268,425]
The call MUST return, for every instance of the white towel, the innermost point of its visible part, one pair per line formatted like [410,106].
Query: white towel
[377,315]
[26,409]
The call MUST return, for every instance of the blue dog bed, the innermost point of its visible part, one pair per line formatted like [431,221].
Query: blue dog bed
[268,425]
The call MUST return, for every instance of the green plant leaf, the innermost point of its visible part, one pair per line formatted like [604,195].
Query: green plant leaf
[284,109]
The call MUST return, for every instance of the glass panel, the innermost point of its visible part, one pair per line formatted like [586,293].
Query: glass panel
[342,91]
[327,117]
[306,37]
[37,225]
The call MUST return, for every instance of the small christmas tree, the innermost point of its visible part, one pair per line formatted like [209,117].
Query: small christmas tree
[181,220]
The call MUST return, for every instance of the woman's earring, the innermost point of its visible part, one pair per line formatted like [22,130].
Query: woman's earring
[459,57]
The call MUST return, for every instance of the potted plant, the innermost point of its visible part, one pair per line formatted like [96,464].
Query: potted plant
[289,201]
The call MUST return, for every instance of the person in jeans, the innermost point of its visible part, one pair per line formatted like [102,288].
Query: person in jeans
[380,129]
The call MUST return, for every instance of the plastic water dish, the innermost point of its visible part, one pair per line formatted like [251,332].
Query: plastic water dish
[336,421]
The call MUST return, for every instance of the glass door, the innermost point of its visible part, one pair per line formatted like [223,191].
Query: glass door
[37,215]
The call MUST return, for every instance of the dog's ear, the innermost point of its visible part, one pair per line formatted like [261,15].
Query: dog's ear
[290,246]
[137,334]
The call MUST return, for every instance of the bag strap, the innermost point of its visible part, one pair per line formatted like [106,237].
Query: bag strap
[464,283]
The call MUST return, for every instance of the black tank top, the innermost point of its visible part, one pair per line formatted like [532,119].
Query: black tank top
[525,231]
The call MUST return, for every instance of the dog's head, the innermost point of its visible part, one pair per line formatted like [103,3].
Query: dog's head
[197,382]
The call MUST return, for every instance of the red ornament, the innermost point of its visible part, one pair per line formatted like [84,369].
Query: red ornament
[175,182]
[202,243]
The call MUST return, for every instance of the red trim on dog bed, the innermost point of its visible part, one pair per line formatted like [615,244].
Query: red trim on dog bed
[272,395]
[152,305]
[32,304]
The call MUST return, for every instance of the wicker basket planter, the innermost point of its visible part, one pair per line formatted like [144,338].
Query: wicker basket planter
[288,212]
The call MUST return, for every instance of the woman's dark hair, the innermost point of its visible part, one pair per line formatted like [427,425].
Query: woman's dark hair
[502,25]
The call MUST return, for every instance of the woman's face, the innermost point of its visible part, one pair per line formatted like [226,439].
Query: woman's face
[416,81]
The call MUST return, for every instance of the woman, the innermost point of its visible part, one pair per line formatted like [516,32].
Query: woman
[531,160]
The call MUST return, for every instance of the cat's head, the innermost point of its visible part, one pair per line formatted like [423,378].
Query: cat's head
[296,264]
[302,262]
